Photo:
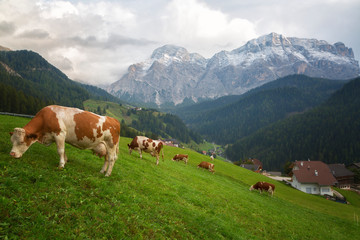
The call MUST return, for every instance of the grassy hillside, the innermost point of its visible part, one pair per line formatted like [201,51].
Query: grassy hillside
[144,201]
[150,122]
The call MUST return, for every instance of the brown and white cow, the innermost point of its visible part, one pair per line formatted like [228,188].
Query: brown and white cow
[82,129]
[182,157]
[263,186]
[207,165]
[147,145]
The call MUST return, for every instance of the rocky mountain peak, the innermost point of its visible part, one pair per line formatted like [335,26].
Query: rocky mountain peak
[170,51]
[172,74]
[169,54]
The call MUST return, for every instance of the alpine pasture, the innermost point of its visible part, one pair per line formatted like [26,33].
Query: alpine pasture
[143,201]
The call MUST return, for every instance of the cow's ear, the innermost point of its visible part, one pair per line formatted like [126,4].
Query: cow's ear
[11,133]
[32,135]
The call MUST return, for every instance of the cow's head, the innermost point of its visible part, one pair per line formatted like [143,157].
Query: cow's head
[130,149]
[21,142]
[251,187]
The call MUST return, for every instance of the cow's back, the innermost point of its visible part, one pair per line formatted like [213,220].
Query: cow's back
[84,129]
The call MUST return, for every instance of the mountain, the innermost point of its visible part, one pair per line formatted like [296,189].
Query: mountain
[170,75]
[173,76]
[329,133]
[230,119]
[28,83]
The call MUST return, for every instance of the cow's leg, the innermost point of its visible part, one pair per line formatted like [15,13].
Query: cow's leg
[106,164]
[140,153]
[66,158]
[157,159]
[271,191]
[60,143]
[112,160]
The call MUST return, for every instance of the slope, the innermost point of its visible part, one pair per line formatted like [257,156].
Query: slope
[258,108]
[327,133]
[147,122]
[141,200]
[28,83]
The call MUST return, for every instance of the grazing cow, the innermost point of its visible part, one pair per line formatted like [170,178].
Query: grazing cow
[207,165]
[148,145]
[82,129]
[211,158]
[264,186]
[182,157]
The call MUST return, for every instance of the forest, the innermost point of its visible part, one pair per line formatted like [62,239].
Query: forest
[166,125]
[239,116]
[33,83]
[329,133]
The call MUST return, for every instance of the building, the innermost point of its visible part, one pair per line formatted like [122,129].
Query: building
[344,177]
[313,177]
[354,166]
[251,167]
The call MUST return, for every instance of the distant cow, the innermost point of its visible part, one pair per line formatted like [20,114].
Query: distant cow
[182,157]
[82,129]
[148,145]
[207,165]
[211,158]
[264,186]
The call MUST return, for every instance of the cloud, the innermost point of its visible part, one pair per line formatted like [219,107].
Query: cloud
[35,33]
[95,41]
[7,27]
[193,23]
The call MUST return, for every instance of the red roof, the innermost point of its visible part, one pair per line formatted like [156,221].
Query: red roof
[313,172]
[256,162]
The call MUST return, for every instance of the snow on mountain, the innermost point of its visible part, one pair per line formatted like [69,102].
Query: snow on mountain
[172,74]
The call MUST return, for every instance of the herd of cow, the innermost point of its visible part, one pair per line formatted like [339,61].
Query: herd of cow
[86,130]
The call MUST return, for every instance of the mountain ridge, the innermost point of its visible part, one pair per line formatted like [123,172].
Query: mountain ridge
[228,119]
[172,74]
[328,132]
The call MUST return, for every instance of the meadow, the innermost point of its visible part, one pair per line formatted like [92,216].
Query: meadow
[143,201]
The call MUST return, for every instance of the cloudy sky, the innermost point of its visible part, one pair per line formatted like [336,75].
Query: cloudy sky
[95,41]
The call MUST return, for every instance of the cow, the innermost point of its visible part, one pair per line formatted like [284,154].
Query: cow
[81,129]
[207,165]
[147,145]
[263,186]
[211,158]
[182,157]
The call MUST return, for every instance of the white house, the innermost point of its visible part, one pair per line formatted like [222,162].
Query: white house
[313,177]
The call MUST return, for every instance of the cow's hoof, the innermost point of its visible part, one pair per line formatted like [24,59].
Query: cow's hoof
[60,168]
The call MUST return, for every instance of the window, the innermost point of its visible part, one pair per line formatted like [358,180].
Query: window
[325,190]
[308,190]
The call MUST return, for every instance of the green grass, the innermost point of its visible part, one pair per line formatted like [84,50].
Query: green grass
[112,109]
[143,201]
